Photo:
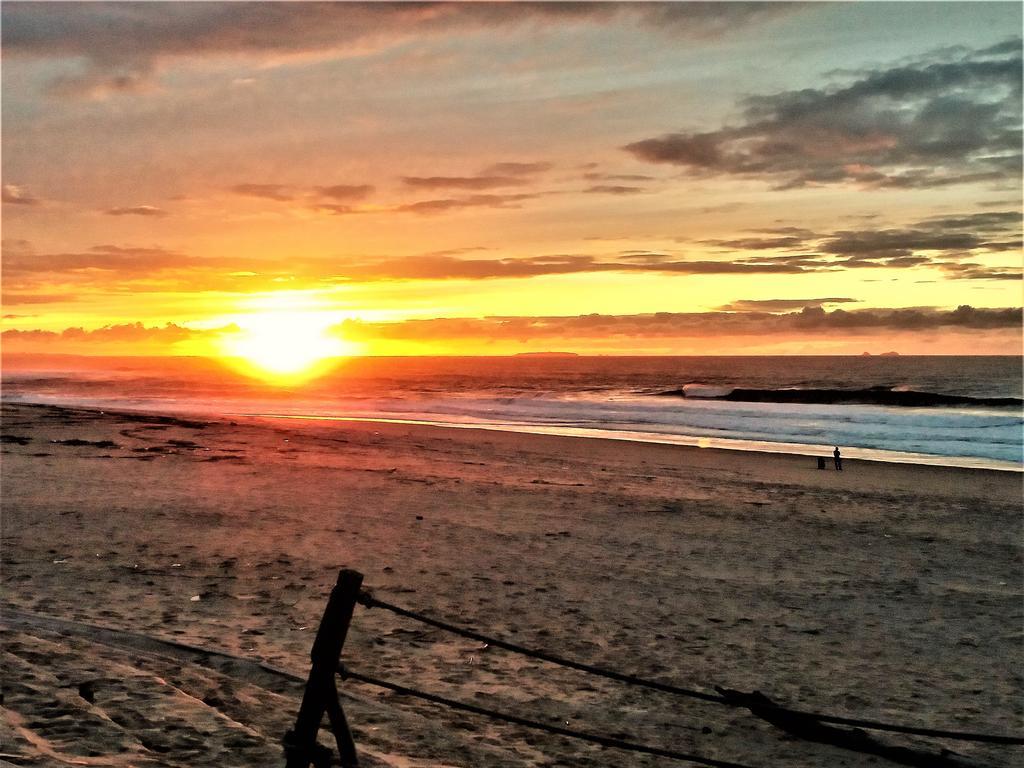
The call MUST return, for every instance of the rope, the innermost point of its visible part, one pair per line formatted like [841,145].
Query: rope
[372,602]
[754,702]
[751,702]
[605,741]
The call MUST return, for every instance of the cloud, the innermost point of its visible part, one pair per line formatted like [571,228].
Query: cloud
[335,198]
[597,176]
[126,333]
[505,174]
[893,243]
[136,210]
[779,305]
[124,46]
[986,221]
[965,246]
[949,118]
[337,209]
[110,79]
[31,277]
[810,321]
[613,189]
[17,195]
[108,258]
[277,192]
[346,191]
[934,241]
[974,271]
[441,267]
[445,205]
[463,182]
[764,243]
[12,299]
[517,169]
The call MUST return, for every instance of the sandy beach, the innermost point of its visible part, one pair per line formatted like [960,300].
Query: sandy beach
[886,591]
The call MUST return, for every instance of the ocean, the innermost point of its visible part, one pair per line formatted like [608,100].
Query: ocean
[957,411]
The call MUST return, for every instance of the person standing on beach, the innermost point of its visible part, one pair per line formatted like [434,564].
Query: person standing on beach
[838,459]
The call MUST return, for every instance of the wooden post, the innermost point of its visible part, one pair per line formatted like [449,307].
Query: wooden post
[321,694]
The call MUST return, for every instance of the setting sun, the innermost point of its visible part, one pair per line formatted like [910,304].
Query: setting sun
[285,346]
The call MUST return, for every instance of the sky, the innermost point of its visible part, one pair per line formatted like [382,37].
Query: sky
[496,178]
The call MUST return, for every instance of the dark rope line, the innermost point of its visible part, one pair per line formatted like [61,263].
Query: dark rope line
[874,725]
[372,602]
[605,741]
[725,696]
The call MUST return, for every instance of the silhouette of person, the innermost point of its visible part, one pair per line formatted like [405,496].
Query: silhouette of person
[838,459]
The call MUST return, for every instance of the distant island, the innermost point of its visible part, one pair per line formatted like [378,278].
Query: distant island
[545,354]
[883,354]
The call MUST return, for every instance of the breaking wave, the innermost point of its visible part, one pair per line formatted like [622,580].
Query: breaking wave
[881,395]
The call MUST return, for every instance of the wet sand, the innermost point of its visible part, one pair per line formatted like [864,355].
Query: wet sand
[885,591]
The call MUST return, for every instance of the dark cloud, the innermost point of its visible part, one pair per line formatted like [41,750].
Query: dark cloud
[335,198]
[124,45]
[810,321]
[136,210]
[950,118]
[986,221]
[277,192]
[116,334]
[108,79]
[14,245]
[34,277]
[463,182]
[596,176]
[874,244]
[108,258]
[706,20]
[336,209]
[764,243]
[496,176]
[695,150]
[446,205]
[12,299]
[440,267]
[779,305]
[959,246]
[516,169]
[613,189]
[973,271]
[346,191]
[17,195]
[935,241]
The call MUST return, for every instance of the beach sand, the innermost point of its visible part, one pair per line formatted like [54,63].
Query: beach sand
[886,591]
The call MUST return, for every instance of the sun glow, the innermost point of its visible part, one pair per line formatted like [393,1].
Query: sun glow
[285,347]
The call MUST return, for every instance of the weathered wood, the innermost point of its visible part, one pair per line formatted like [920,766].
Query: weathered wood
[321,694]
[339,725]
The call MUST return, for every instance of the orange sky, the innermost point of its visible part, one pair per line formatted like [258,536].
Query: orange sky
[488,179]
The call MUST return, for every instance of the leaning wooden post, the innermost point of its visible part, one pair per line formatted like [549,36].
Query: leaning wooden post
[321,693]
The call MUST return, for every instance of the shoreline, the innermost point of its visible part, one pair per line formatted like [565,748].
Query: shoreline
[880,592]
[768,467]
[683,441]
[877,456]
